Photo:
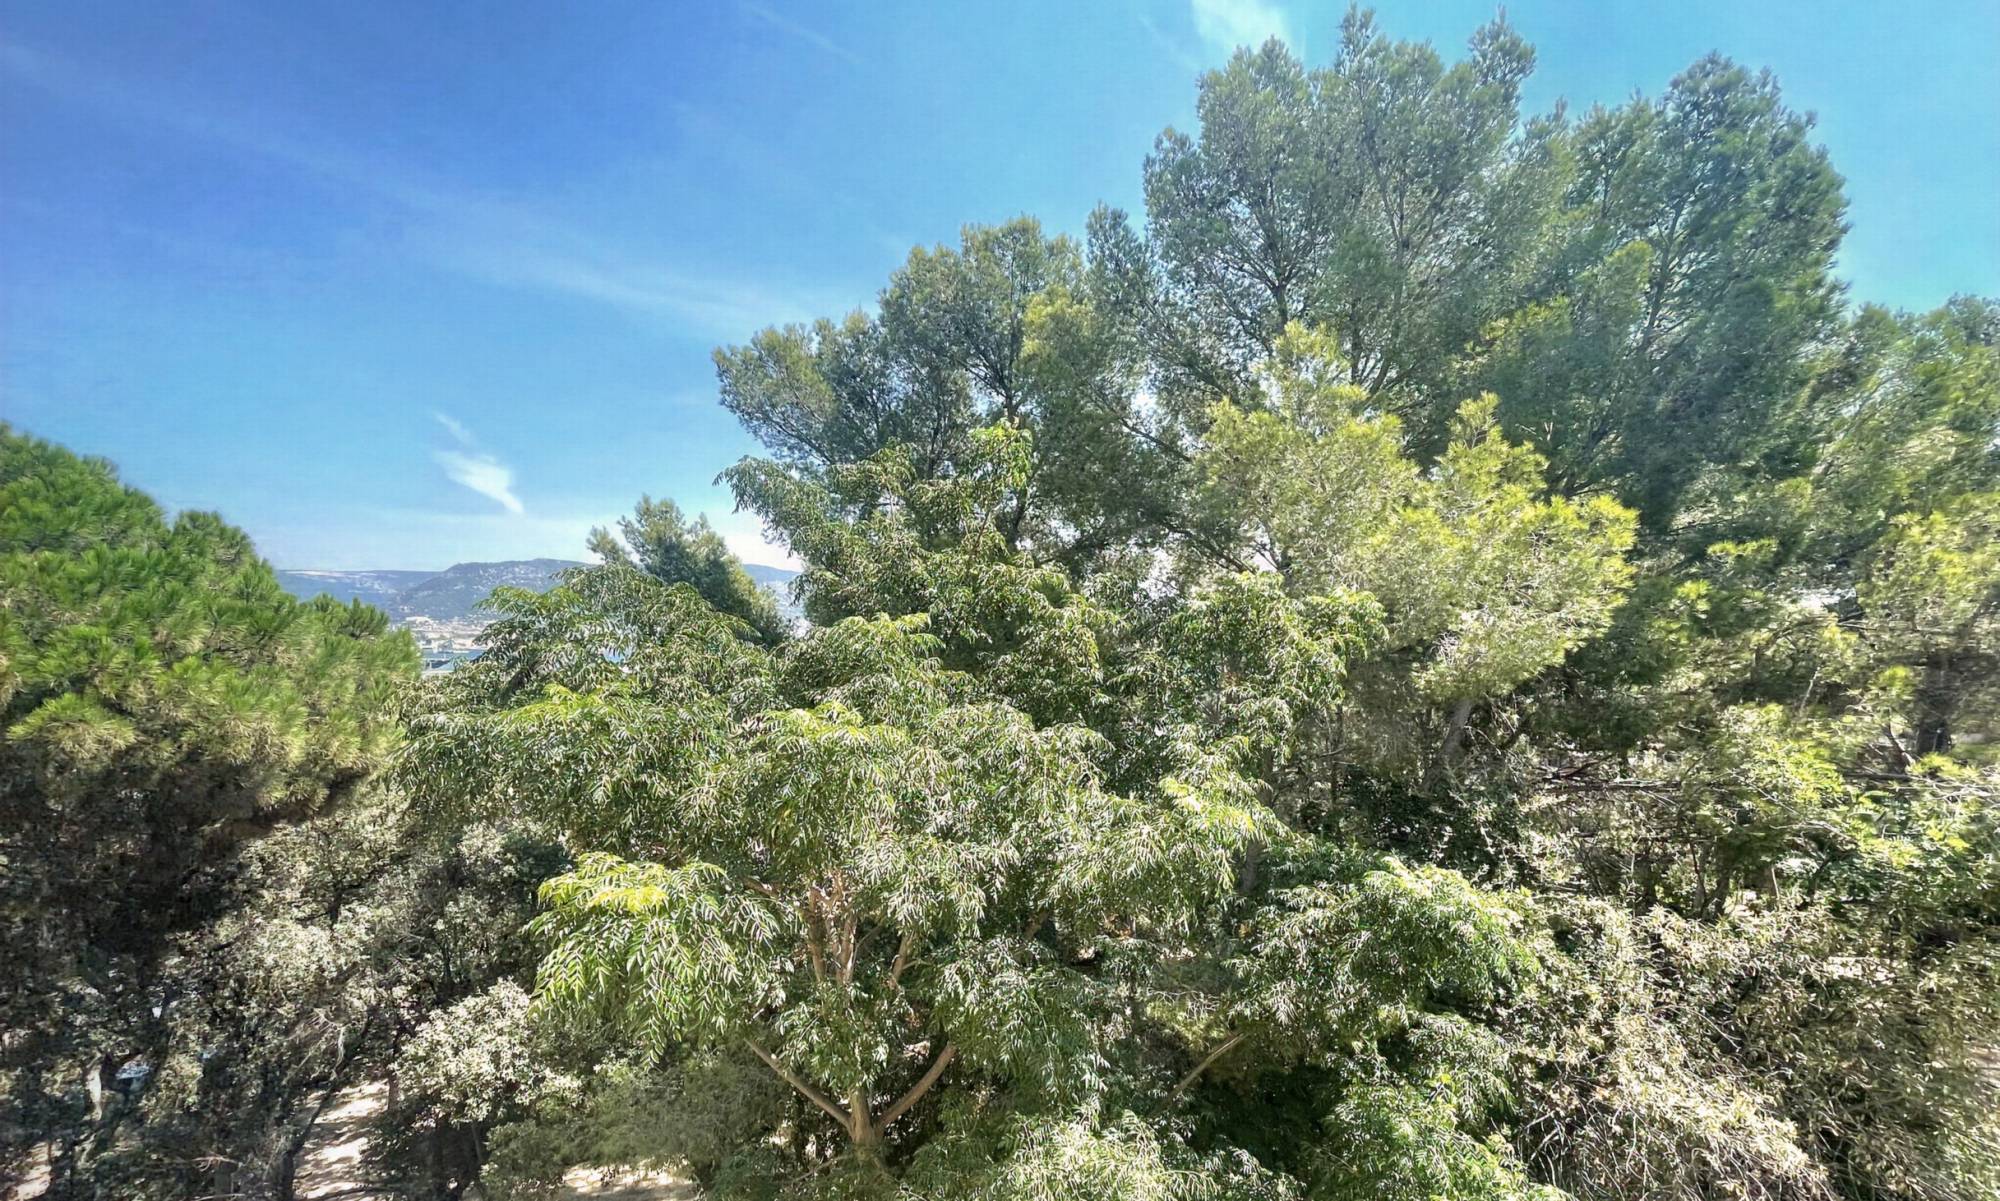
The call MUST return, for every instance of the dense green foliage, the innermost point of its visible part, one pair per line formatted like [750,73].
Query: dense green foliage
[163,703]
[1445,662]
[658,540]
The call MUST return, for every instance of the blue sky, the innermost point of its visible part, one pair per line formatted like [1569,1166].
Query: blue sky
[398,285]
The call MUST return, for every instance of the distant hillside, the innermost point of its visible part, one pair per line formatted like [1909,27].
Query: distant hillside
[447,596]
[374,587]
[451,597]
[454,593]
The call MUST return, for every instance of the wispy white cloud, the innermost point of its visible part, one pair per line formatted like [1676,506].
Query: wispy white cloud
[454,426]
[475,468]
[577,268]
[814,37]
[1227,24]
[483,474]
[494,240]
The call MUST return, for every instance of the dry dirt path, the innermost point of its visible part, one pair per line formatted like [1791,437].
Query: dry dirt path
[335,1159]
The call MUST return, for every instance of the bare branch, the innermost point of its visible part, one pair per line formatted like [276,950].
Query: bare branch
[902,961]
[792,1078]
[1189,1079]
[921,1087]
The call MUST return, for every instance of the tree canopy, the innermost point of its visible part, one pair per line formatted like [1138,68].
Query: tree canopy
[1444,659]
[164,702]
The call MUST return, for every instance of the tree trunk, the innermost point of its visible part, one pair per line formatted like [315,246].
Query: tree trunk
[99,1082]
[862,1131]
[1454,735]
[1207,1060]
[1934,706]
[434,1155]
[1454,731]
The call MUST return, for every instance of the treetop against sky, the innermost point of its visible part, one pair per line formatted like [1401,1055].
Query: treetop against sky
[443,285]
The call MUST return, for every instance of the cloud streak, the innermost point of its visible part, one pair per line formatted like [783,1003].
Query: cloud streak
[483,474]
[473,468]
[808,35]
[490,240]
[1227,24]
[454,426]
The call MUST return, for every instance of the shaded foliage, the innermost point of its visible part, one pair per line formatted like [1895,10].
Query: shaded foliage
[1441,663]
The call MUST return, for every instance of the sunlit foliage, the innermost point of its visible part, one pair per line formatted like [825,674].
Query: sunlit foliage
[1442,662]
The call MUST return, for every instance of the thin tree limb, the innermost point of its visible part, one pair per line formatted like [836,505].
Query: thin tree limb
[1188,1080]
[902,960]
[792,1078]
[918,1089]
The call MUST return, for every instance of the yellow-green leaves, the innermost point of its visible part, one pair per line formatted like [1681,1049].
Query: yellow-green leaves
[1313,480]
[1937,573]
[1505,581]
[663,953]
[1487,578]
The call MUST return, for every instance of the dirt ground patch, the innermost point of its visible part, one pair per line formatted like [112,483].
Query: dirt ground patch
[334,1163]
[625,1184]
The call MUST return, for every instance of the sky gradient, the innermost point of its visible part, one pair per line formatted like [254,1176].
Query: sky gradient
[397,286]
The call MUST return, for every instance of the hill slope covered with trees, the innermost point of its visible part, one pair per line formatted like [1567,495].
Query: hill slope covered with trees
[1447,658]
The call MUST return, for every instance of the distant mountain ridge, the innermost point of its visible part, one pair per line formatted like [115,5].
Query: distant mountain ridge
[371,587]
[454,593]
[452,596]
